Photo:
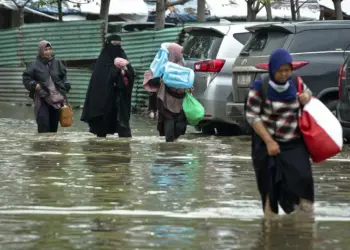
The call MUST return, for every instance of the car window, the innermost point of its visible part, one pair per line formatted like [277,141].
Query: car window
[320,40]
[264,42]
[201,45]
[242,37]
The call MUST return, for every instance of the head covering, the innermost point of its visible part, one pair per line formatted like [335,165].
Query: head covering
[41,47]
[113,51]
[278,91]
[175,53]
[278,58]
[113,37]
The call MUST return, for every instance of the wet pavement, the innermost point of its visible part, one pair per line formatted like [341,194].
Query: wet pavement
[74,191]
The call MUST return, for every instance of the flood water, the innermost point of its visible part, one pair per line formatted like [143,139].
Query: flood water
[74,191]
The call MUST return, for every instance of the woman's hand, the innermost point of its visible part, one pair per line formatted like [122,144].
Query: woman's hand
[37,86]
[273,148]
[304,98]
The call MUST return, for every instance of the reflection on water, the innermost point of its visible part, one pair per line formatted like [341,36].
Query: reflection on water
[109,165]
[288,232]
[74,191]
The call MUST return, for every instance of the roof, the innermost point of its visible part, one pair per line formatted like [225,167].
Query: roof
[8,4]
[134,26]
[117,7]
[302,26]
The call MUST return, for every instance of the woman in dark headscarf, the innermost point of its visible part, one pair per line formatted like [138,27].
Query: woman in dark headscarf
[107,105]
[172,122]
[46,80]
[280,157]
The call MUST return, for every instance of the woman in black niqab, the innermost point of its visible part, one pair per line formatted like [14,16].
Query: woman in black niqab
[107,105]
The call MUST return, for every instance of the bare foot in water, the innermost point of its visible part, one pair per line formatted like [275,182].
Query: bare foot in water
[306,206]
[268,213]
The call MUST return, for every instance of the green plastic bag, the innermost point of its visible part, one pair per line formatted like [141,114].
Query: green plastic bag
[193,110]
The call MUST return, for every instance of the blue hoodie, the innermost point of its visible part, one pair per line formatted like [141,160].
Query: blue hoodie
[278,58]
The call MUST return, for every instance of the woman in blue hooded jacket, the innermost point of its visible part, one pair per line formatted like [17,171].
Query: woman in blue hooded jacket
[280,158]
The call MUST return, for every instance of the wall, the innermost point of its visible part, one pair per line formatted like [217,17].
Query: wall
[78,43]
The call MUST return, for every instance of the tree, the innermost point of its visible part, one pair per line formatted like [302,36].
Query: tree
[59,4]
[161,7]
[295,9]
[268,10]
[104,12]
[337,9]
[42,3]
[253,8]
[200,10]
[20,4]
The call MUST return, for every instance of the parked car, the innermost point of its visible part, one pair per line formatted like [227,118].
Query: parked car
[343,107]
[210,50]
[317,47]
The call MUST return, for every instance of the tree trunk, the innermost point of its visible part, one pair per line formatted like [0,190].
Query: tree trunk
[268,10]
[292,10]
[104,11]
[297,9]
[337,9]
[160,15]
[200,10]
[251,15]
[59,6]
[21,15]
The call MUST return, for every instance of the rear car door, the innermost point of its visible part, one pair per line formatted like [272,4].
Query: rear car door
[253,59]
[203,43]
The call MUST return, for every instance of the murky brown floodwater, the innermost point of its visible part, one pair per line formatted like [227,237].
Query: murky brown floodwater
[73,191]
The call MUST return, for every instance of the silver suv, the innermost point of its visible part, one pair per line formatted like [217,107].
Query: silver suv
[210,50]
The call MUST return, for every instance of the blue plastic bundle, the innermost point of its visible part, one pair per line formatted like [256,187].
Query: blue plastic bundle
[177,76]
[159,61]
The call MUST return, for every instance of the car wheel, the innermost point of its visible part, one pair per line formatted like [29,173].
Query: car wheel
[208,130]
[332,106]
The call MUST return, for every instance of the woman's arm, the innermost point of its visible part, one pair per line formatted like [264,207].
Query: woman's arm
[306,95]
[28,77]
[253,110]
[63,83]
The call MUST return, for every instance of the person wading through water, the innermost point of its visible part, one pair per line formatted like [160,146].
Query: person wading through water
[107,105]
[280,157]
[46,80]
[172,122]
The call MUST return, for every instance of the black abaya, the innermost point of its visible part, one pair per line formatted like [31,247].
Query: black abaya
[108,100]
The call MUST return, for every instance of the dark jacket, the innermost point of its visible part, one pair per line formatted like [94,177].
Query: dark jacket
[39,72]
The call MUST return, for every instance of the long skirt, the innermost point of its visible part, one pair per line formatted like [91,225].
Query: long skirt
[284,178]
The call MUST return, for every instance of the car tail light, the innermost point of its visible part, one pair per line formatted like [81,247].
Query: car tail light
[214,65]
[296,65]
[342,76]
